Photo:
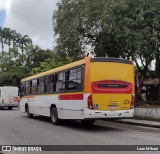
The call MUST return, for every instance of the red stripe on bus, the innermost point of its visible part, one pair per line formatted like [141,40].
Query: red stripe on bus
[125,90]
[71,97]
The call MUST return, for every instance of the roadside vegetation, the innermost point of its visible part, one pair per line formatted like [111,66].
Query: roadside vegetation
[104,28]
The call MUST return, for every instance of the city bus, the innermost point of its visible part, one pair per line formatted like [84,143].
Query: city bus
[86,90]
[9,97]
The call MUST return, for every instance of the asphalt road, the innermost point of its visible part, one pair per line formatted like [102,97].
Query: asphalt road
[17,129]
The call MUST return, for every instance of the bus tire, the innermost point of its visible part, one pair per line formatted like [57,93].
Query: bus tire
[54,116]
[29,115]
[88,122]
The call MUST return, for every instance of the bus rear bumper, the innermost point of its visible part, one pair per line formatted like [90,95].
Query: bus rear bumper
[98,114]
[8,105]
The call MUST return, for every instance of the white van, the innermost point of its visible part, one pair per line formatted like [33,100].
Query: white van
[9,97]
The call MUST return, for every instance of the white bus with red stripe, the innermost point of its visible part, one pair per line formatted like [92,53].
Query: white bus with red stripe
[9,97]
[86,90]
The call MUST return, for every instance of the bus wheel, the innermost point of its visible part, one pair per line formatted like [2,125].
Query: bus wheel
[54,116]
[28,113]
[87,122]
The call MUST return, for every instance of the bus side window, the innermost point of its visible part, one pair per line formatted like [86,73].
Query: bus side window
[55,81]
[74,79]
[49,84]
[45,84]
[41,85]
[67,79]
[34,86]
[28,87]
[60,84]
[30,83]
[22,90]
[37,83]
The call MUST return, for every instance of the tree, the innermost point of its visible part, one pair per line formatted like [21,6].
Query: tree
[2,42]
[11,73]
[82,23]
[11,59]
[9,37]
[111,28]
[35,55]
[22,42]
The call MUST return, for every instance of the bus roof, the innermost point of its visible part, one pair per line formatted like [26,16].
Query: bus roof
[74,64]
[117,60]
[77,63]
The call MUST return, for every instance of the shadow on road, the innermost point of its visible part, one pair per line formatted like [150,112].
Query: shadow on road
[78,125]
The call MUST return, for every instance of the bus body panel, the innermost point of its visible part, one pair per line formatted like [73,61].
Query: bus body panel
[112,71]
[116,114]
[102,114]
[109,84]
[112,85]
[41,104]
[112,101]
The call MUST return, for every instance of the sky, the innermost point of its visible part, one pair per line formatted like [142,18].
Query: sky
[30,17]
[2,16]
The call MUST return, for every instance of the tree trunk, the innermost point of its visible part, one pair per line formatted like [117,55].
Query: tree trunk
[139,83]
[157,69]
[22,49]
[2,51]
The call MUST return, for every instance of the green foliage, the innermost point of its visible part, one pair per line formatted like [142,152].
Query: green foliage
[18,60]
[112,28]
[55,60]
[10,77]
[108,28]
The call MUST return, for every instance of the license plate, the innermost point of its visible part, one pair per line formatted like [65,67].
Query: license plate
[112,107]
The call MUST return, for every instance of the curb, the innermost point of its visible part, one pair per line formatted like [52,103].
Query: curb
[138,124]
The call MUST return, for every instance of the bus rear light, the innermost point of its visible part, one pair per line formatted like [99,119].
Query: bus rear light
[132,102]
[90,102]
[2,100]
